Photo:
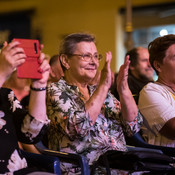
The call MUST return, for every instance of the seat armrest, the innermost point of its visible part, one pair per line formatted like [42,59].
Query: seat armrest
[139,142]
[133,148]
[46,162]
[66,157]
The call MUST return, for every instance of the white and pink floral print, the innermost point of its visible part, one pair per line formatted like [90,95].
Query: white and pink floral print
[15,103]
[16,163]
[2,121]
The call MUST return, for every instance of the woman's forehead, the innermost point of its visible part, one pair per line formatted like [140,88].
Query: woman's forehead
[86,46]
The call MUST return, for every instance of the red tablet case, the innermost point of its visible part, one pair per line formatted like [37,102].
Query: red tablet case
[29,69]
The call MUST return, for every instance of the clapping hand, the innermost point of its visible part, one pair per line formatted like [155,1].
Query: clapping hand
[122,78]
[106,71]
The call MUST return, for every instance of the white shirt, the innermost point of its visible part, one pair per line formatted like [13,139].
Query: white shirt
[157,105]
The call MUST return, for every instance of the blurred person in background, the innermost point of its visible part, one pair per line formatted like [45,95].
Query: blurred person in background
[140,72]
[56,71]
[20,86]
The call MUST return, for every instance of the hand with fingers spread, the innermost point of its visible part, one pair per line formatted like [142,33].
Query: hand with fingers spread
[11,56]
[106,71]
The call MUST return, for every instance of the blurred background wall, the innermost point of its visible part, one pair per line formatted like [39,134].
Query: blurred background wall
[50,20]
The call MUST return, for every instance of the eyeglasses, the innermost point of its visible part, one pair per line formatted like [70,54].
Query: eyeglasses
[88,57]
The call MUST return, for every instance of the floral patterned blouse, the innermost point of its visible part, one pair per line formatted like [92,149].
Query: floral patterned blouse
[15,125]
[72,130]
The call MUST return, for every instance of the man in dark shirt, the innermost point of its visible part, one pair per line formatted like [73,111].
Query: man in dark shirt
[140,72]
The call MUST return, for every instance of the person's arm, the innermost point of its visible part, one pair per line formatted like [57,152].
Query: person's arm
[94,104]
[37,102]
[168,130]
[36,121]
[29,148]
[12,56]
[129,108]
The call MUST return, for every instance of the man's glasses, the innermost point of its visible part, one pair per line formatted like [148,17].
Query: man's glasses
[88,57]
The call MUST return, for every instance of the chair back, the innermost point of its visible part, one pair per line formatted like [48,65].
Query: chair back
[137,140]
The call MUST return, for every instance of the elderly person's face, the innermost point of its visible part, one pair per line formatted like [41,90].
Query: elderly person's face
[83,70]
[167,69]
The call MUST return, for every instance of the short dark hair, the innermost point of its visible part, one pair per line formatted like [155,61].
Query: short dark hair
[158,47]
[133,56]
[53,59]
[68,44]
